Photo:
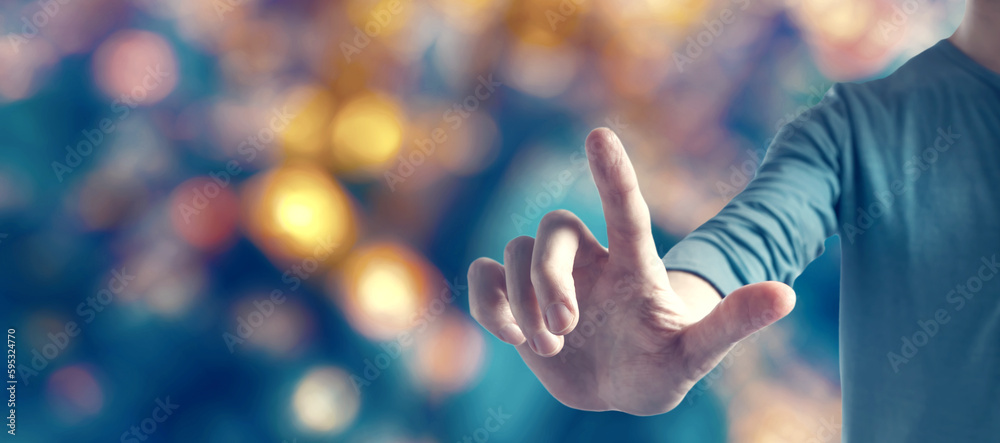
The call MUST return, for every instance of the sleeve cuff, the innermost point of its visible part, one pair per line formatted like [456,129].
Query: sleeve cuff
[702,258]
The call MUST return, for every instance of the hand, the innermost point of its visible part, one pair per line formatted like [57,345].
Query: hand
[640,344]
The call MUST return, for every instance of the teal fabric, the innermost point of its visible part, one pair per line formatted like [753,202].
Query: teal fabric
[906,170]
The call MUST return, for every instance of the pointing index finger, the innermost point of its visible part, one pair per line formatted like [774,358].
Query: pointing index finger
[626,212]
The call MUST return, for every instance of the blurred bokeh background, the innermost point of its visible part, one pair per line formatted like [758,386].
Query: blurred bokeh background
[262,212]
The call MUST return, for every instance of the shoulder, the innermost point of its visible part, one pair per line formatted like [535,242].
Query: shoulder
[924,78]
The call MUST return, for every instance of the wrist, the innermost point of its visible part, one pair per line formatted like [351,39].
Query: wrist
[698,294]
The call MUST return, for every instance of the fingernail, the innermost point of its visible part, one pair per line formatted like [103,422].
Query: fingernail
[558,318]
[511,334]
[544,344]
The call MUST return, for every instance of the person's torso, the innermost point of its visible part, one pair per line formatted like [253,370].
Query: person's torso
[920,232]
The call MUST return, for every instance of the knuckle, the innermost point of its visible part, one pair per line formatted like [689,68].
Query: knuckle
[478,269]
[557,219]
[519,245]
[544,275]
[478,313]
[522,304]
[633,229]
[482,309]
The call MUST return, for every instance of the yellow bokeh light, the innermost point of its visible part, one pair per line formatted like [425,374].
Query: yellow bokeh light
[325,400]
[838,21]
[367,132]
[294,213]
[306,132]
[545,22]
[299,211]
[672,15]
[384,288]
[379,18]
[679,13]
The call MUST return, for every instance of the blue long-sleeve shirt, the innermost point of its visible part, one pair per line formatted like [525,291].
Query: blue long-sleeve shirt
[906,170]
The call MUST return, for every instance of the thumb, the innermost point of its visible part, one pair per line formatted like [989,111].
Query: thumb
[740,314]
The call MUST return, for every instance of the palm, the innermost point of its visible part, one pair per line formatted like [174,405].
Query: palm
[603,329]
[607,360]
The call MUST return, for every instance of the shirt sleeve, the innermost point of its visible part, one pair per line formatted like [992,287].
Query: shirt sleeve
[778,224]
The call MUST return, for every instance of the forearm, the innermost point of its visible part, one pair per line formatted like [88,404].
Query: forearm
[778,224]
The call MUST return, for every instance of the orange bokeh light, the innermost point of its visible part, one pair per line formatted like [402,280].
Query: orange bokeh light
[204,213]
